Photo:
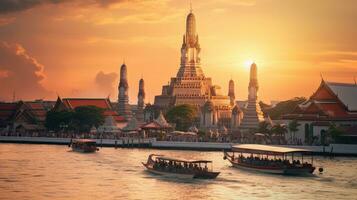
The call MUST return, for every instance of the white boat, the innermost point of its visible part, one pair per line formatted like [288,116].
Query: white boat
[179,168]
[270,159]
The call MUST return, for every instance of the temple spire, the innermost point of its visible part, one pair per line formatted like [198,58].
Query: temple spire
[141,101]
[123,97]
[231,93]
[190,50]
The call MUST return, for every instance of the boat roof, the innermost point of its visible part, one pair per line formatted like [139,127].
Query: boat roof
[182,160]
[84,140]
[258,148]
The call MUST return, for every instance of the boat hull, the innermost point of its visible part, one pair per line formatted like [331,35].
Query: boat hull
[272,170]
[199,175]
[85,150]
[282,171]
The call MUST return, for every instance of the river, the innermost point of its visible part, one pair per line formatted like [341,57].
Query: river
[54,172]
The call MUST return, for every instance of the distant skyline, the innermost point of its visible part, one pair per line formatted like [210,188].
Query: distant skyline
[75,48]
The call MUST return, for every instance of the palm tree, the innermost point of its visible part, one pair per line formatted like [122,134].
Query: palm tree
[293,127]
[263,127]
[279,130]
[334,131]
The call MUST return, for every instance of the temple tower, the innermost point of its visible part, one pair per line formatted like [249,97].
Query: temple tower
[190,61]
[231,93]
[253,82]
[123,98]
[253,114]
[141,103]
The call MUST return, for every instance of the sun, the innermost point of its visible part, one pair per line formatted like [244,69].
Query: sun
[248,63]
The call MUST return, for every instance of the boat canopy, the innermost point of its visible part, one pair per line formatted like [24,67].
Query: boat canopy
[182,160]
[266,149]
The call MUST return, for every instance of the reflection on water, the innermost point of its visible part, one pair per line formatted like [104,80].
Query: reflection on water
[54,172]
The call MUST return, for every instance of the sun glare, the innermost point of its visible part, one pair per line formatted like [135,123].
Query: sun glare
[248,63]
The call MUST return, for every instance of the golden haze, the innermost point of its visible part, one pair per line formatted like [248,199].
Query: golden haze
[77,47]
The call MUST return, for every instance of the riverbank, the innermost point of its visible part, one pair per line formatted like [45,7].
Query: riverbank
[331,150]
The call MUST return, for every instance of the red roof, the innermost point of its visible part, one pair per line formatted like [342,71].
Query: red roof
[104,103]
[8,106]
[100,103]
[35,105]
[115,115]
[7,110]
[324,104]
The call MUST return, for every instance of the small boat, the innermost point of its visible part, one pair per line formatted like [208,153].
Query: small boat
[84,145]
[270,159]
[180,168]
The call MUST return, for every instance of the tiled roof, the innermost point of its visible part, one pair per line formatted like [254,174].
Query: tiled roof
[7,110]
[115,115]
[76,102]
[347,93]
[104,103]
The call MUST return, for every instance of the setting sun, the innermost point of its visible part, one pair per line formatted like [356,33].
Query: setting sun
[248,63]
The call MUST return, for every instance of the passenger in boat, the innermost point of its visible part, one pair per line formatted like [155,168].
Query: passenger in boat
[206,168]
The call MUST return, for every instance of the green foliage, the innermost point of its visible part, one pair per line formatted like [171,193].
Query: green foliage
[56,121]
[284,107]
[82,119]
[335,131]
[263,127]
[85,117]
[279,130]
[293,126]
[182,115]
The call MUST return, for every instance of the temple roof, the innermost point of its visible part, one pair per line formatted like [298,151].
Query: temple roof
[331,101]
[73,103]
[103,103]
[7,110]
[347,94]
[162,121]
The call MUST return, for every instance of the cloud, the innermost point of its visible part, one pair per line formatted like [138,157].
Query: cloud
[6,20]
[20,72]
[106,82]
[9,6]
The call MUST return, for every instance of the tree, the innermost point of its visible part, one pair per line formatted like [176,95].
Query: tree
[335,131]
[279,129]
[85,117]
[56,121]
[283,107]
[293,127]
[263,127]
[182,115]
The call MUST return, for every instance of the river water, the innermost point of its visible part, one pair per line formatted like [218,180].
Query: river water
[55,172]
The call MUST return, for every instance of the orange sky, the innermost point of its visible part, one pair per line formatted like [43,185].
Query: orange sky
[75,48]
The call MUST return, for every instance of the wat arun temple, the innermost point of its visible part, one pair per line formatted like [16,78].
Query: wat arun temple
[191,86]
